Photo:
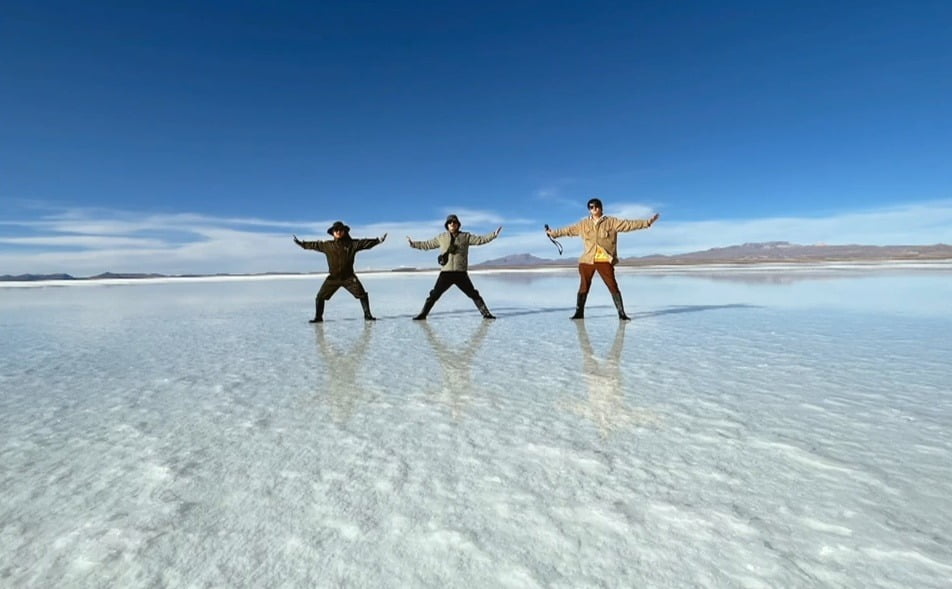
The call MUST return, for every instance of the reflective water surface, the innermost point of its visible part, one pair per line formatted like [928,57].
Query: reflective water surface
[765,430]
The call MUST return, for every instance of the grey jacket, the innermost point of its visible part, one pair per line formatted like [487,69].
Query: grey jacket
[459,261]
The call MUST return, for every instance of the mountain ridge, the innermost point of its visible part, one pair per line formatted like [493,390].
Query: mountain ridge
[758,252]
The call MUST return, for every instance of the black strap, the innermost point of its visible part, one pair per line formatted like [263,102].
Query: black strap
[451,249]
[557,244]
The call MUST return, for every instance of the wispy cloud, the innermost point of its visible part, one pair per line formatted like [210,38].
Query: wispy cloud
[83,241]
[90,241]
[554,195]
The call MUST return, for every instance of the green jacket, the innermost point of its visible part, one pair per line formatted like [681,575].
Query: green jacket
[459,261]
[604,233]
[340,254]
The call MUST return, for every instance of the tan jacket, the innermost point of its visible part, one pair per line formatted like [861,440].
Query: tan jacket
[604,233]
[459,261]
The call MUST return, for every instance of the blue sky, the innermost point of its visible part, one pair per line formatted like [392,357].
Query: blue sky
[173,137]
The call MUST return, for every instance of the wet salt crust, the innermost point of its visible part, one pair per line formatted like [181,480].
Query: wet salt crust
[742,431]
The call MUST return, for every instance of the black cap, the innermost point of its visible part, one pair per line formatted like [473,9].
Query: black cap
[451,218]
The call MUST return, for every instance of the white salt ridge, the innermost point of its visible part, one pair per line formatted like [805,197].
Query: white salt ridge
[733,435]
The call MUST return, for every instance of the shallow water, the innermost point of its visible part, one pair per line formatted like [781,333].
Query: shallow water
[763,430]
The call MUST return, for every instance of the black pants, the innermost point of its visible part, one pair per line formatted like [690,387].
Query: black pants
[331,285]
[447,279]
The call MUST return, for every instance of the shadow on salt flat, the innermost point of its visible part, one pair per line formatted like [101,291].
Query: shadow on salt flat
[521,311]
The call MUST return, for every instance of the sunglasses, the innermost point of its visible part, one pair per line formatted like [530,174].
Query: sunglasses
[594,207]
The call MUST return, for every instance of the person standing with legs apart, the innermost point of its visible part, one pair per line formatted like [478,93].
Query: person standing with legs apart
[341,252]
[454,263]
[600,238]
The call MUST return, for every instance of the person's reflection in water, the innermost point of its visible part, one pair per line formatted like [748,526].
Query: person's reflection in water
[456,361]
[605,406]
[342,365]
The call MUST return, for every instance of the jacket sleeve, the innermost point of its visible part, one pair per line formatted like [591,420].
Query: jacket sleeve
[622,225]
[429,244]
[313,245]
[569,231]
[481,239]
[366,244]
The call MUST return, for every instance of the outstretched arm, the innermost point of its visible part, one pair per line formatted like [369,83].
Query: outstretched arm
[568,231]
[429,244]
[308,245]
[483,239]
[366,244]
[621,225]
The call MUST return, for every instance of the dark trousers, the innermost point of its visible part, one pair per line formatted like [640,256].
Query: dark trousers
[605,270]
[331,285]
[447,279]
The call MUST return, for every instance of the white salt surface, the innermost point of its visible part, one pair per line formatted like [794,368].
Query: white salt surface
[742,431]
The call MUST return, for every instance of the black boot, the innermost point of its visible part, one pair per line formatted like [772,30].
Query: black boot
[365,303]
[427,305]
[318,311]
[481,305]
[620,306]
[580,305]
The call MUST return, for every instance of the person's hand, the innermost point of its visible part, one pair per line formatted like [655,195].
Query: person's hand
[296,240]
[548,231]
[384,238]
[652,220]
[410,241]
[498,231]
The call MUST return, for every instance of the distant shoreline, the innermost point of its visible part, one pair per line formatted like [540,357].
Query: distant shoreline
[765,266]
[755,254]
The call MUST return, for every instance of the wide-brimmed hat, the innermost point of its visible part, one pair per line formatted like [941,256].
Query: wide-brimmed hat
[451,218]
[338,225]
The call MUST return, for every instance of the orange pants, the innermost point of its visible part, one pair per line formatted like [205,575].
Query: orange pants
[605,270]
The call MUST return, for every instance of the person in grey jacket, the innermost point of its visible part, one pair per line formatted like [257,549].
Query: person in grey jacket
[454,263]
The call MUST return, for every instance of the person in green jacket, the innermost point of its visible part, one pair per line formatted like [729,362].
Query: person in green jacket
[341,252]
[454,263]
[599,234]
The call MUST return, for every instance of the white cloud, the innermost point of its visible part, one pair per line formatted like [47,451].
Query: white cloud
[554,195]
[473,217]
[86,242]
[630,211]
[83,241]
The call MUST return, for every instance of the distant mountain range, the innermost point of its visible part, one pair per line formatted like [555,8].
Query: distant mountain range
[755,253]
[748,253]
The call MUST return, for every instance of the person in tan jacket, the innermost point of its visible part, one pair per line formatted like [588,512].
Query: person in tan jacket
[599,234]
[454,263]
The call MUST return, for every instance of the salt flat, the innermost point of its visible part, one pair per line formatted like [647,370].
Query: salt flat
[767,430]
